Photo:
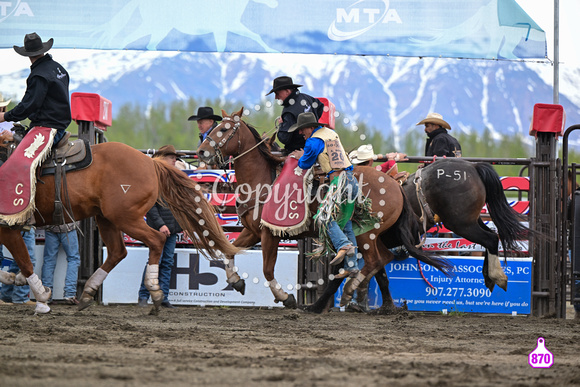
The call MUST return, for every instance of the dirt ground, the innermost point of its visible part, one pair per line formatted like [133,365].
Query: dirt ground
[124,346]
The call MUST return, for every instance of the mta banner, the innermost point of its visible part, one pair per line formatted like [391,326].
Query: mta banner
[488,29]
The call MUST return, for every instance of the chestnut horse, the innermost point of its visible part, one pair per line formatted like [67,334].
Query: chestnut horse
[118,189]
[254,165]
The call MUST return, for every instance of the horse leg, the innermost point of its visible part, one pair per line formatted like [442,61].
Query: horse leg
[493,273]
[155,240]
[245,239]
[113,239]
[322,303]
[13,241]
[369,250]
[269,256]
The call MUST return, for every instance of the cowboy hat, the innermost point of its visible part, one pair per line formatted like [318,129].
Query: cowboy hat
[2,102]
[435,118]
[362,154]
[204,112]
[167,150]
[305,120]
[33,45]
[282,83]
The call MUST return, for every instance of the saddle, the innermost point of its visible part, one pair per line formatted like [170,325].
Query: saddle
[66,156]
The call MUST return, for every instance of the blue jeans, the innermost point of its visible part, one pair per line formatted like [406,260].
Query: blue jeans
[70,244]
[344,237]
[165,267]
[19,294]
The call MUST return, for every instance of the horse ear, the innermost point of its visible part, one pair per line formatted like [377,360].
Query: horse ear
[224,114]
[240,112]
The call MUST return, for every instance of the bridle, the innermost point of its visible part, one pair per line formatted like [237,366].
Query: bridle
[218,145]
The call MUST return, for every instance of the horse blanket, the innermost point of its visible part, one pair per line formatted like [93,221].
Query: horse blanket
[18,175]
[286,208]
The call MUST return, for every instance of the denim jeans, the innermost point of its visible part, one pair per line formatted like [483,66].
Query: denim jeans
[70,244]
[19,294]
[165,267]
[345,237]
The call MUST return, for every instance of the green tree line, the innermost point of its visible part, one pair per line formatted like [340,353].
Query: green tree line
[150,127]
[157,125]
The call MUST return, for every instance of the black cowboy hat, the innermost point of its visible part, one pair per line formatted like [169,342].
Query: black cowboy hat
[33,45]
[205,112]
[282,83]
[305,120]
[167,150]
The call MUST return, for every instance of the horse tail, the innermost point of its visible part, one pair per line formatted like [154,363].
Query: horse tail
[505,218]
[192,211]
[408,231]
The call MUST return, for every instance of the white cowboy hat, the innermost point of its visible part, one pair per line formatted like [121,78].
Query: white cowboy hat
[362,154]
[2,102]
[435,118]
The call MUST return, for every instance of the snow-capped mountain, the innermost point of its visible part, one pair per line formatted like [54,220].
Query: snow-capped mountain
[388,94]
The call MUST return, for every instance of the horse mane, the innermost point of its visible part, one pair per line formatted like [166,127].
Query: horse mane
[265,147]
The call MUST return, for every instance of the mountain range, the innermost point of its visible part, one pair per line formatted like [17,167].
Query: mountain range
[388,94]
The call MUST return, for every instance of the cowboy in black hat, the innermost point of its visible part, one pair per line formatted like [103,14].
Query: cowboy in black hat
[206,121]
[294,103]
[46,100]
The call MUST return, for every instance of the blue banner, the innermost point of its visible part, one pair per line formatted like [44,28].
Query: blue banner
[464,292]
[444,28]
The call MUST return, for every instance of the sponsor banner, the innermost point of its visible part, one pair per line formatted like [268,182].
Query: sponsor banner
[462,245]
[492,29]
[198,281]
[464,292]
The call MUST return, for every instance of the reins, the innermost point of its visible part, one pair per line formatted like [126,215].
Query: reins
[218,145]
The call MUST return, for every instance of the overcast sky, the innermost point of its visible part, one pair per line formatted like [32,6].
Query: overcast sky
[542,11]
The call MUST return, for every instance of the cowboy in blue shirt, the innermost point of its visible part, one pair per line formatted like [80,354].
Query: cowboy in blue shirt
[323,146]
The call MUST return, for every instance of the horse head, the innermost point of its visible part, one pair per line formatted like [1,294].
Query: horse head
[233,137]
[217,146]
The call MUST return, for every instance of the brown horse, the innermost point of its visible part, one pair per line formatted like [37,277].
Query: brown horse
[118,189]
[254,165]
[456,191]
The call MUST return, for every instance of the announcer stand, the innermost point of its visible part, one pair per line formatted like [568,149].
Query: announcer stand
[93,114]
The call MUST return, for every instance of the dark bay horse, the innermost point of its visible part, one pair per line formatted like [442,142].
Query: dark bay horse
[118,189]
[456,191]
[254,165]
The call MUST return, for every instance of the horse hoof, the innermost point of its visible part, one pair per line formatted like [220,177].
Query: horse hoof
[502,284]
[41,308]
[290,302]
[85,301]
[20,279]
[240,286]
[7,278]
